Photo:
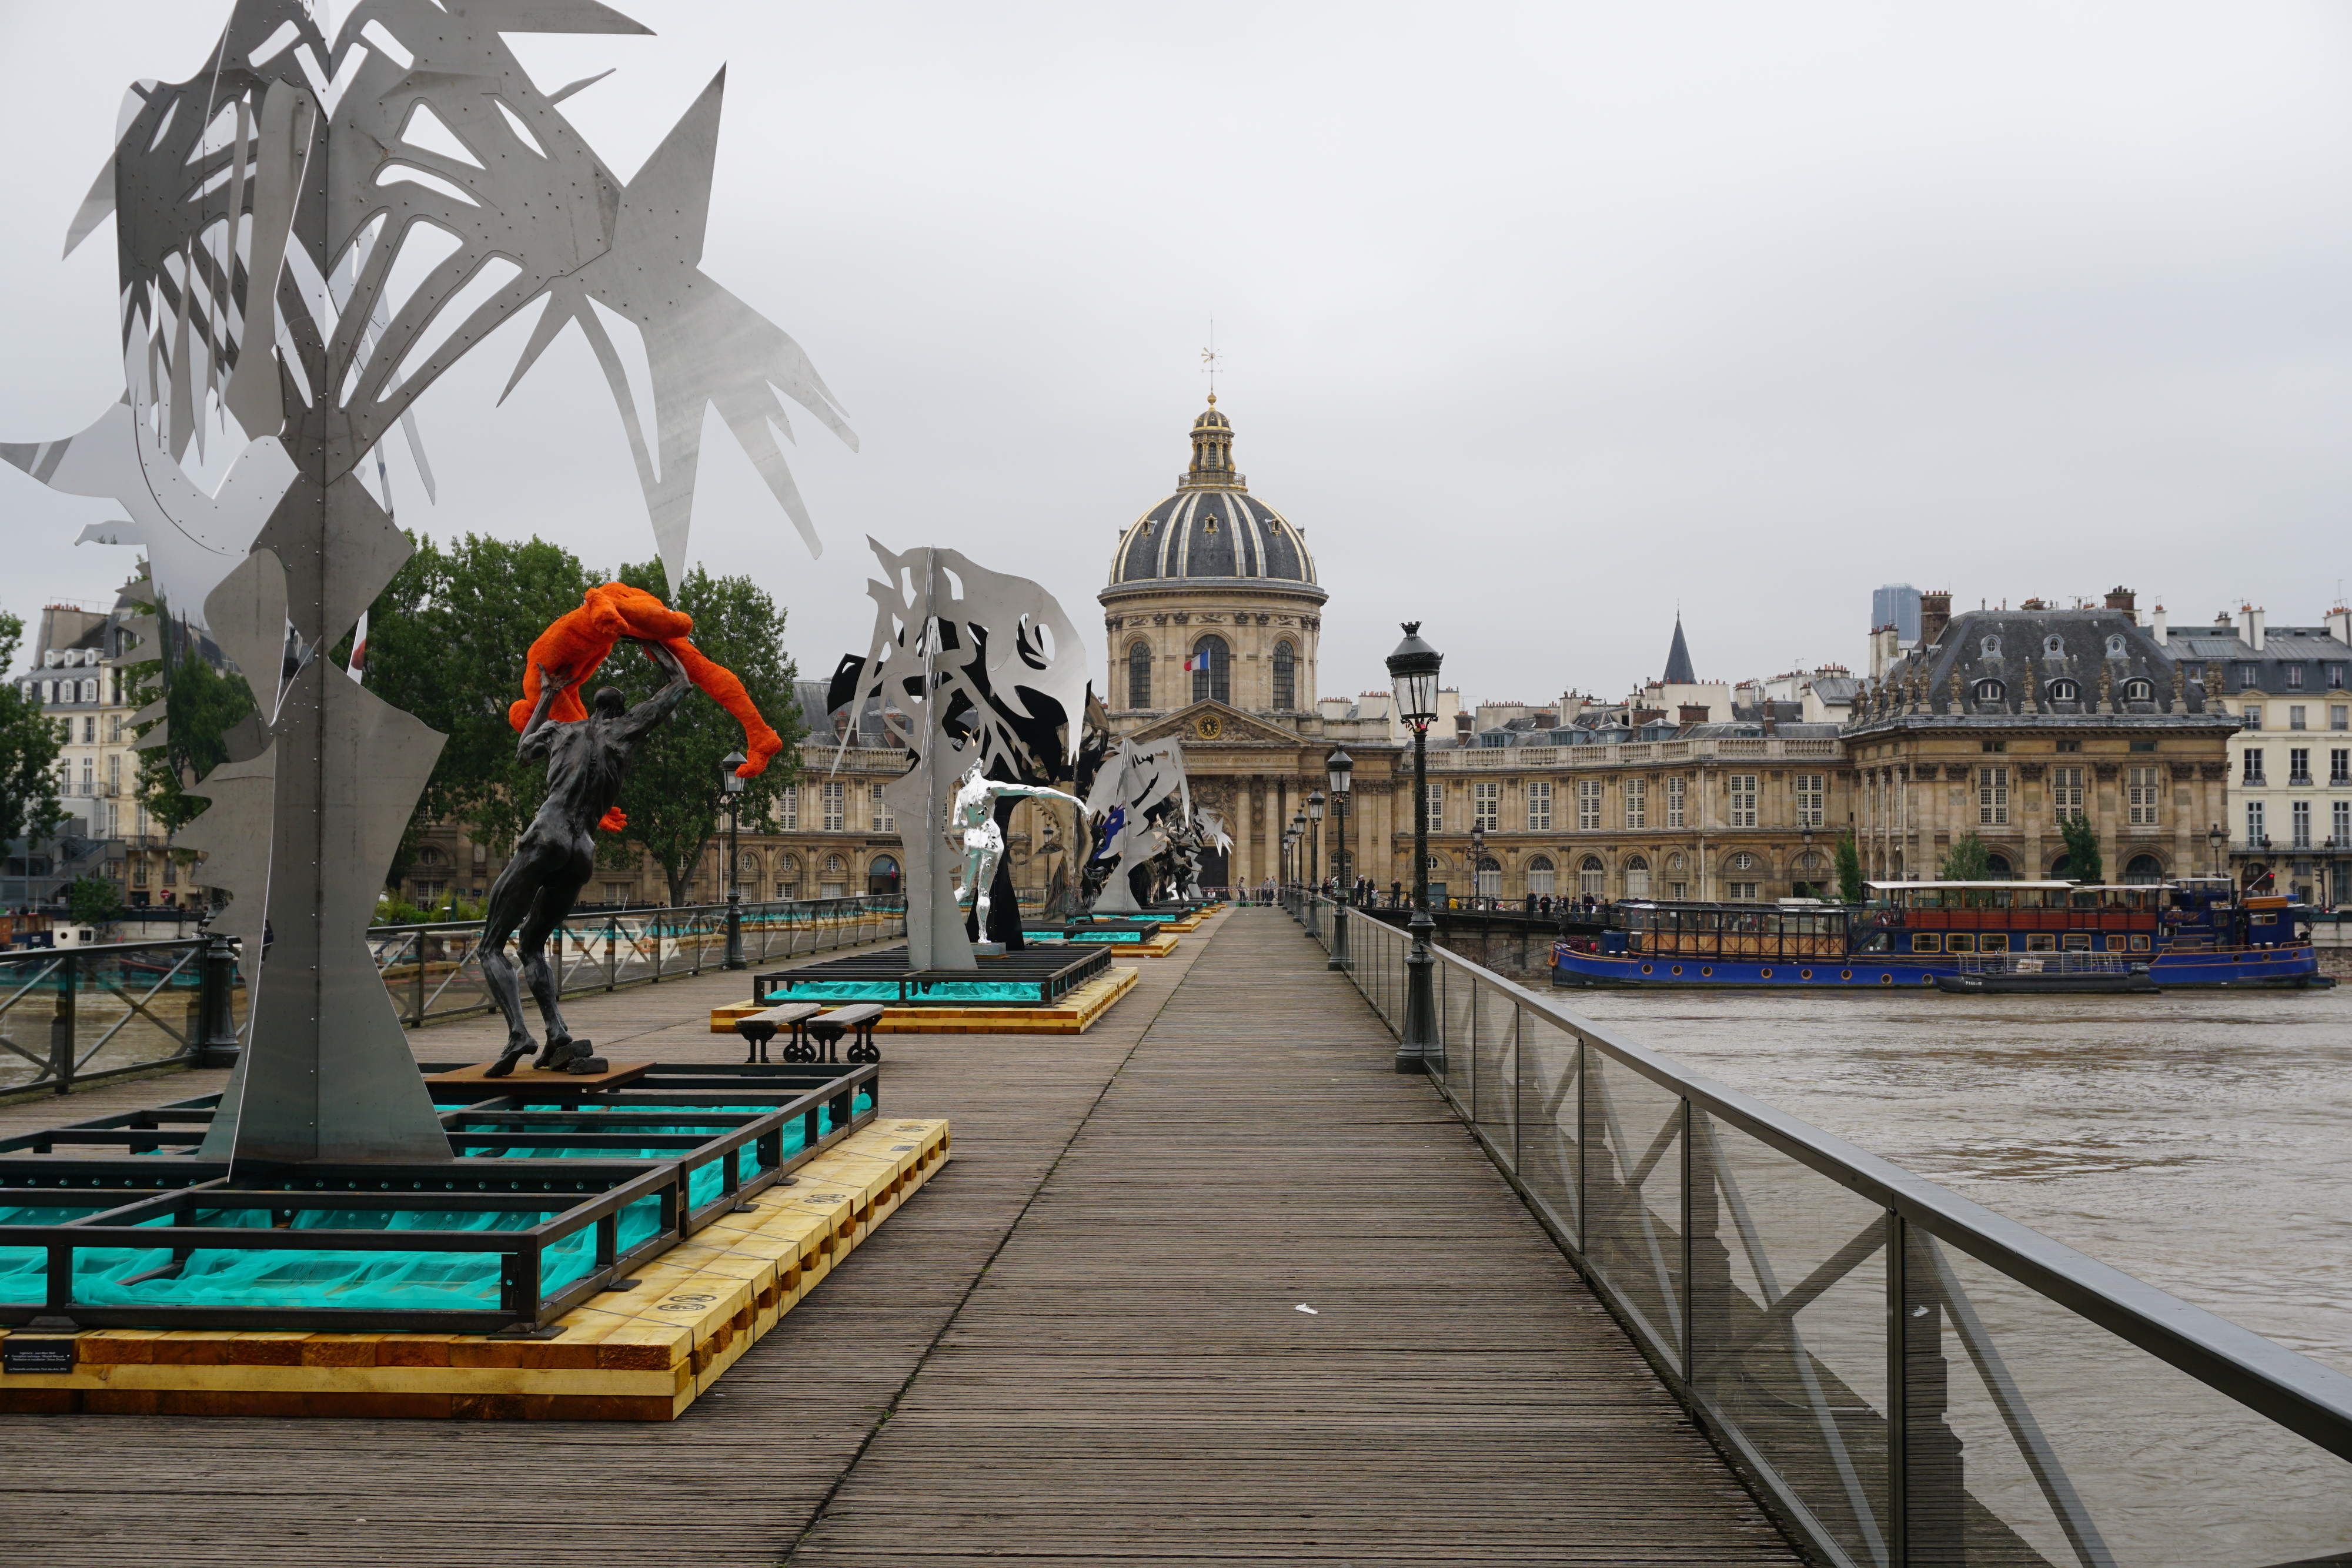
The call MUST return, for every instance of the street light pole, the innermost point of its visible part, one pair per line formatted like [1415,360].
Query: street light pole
[1340,768]
[734,786]
[1413,670]
[1313,857]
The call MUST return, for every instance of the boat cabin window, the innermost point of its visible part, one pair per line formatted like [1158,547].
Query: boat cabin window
[1960,942]
[1927,941]
[2078,941]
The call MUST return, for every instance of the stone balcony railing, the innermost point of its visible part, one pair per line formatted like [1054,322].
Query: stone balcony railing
[1533,759]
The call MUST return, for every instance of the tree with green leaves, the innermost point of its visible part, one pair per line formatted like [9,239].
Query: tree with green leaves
[2083,861]
[1849,869]
[675,797]
[1968,861]
[92,901]
[29,753]
[447,641]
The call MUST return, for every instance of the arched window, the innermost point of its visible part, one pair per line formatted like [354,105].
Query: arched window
[1539,874]
[787,864]
[1286,677]
[833,865]
[1989,691]
[1590,874]
[882,877]
[1490,877]
[2144,870]
[1637,876]
[2063,690]
[747,861]
[2139,691]
[1139,674]
[1743,861]
[1211,664]
[1998,868]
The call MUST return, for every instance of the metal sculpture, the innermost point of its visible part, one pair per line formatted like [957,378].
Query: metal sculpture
[973,828]
[311,232]
[974,669]
[586,760]
[1137,790]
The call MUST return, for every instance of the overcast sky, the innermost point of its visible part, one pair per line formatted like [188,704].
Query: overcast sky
[1538,321]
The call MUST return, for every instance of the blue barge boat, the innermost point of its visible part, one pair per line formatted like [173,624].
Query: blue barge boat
[2197,932]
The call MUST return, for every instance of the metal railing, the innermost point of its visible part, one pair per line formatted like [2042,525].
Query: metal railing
[434,972]
[1904,1376]
[73,1015]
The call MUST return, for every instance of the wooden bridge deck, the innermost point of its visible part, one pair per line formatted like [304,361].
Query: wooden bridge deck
[1080,1344]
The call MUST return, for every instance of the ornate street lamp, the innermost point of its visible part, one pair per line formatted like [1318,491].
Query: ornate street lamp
[1413,670]
[1340,768]
[734,785]
[1314,856]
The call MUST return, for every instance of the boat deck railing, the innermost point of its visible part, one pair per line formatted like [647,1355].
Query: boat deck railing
[1903,1375]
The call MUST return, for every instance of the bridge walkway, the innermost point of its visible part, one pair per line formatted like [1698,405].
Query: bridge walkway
[1080,1343]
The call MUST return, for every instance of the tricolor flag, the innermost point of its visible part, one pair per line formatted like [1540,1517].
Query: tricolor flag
[1198,660]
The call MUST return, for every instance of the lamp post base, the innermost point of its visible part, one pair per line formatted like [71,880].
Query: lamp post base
[1339,958]
[735,931]
[1420,1048]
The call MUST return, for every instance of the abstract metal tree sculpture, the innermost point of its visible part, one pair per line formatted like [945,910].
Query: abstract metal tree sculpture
[971,666]
[311,231]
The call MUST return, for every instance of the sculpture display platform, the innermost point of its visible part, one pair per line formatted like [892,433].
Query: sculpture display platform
[1035,977]
[643,1350]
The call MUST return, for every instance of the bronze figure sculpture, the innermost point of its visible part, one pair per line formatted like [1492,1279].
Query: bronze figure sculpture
[586,760]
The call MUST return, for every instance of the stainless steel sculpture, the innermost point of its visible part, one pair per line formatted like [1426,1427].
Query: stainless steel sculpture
[975,670]
[310,231]
[1134,794]
[973,828]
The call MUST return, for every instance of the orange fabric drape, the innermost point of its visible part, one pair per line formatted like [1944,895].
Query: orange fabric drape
[579,643]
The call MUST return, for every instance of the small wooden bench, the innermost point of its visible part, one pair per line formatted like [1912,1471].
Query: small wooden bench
[825,1030]
[761,1028]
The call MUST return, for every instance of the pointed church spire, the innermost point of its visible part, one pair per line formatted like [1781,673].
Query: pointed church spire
[1678,660]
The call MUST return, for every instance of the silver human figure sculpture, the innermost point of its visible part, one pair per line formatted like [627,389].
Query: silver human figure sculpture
[971,827]
[585,762]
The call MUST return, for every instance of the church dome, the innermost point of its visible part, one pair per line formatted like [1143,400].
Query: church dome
[1211,528]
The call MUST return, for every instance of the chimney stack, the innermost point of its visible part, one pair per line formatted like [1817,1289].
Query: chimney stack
[2340,624]
[2120,597]
[2249,626]
[2158,630]
[1696,713]
[1935,614]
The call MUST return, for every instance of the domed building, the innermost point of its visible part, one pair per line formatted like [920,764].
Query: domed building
[1211,598]
[1212,616]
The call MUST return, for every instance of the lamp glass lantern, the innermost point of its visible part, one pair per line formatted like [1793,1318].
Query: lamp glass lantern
[1314,803]
[1412,673]
[1340,768]
[728,764]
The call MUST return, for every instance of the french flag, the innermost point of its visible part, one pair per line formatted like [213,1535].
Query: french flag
[1199,661]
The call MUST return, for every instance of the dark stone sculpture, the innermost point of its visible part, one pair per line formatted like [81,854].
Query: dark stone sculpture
[557,853]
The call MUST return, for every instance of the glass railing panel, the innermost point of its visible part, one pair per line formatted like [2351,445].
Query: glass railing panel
[1457,1006]
[1548,1068]
[1495,1038]
[1788,1300]
[1633,1198]
[2035,1430]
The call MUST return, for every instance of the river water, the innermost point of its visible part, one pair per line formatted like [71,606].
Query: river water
[2200,1141]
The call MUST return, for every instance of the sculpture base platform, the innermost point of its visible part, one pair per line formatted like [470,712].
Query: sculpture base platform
[527,1077]
[1129,938]
[1036,977]
[1075,1013]
[642,1354]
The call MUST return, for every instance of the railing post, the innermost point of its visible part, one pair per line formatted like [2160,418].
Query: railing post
[1927,1469]
[1898,1403]
[61,1025]
[216,1042]
[416,979]
[1339,958]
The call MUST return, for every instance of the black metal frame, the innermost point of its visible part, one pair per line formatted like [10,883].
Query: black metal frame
[573,1194]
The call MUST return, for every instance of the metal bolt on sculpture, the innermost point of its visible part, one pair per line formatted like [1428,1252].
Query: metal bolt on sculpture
[271,212]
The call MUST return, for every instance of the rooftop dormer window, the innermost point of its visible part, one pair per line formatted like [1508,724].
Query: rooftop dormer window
[2053,646]
[1991,647]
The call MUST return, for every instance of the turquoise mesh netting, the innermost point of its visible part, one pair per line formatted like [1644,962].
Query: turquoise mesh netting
[406,1281]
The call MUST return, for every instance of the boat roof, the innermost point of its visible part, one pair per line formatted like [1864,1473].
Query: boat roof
[2009,884]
